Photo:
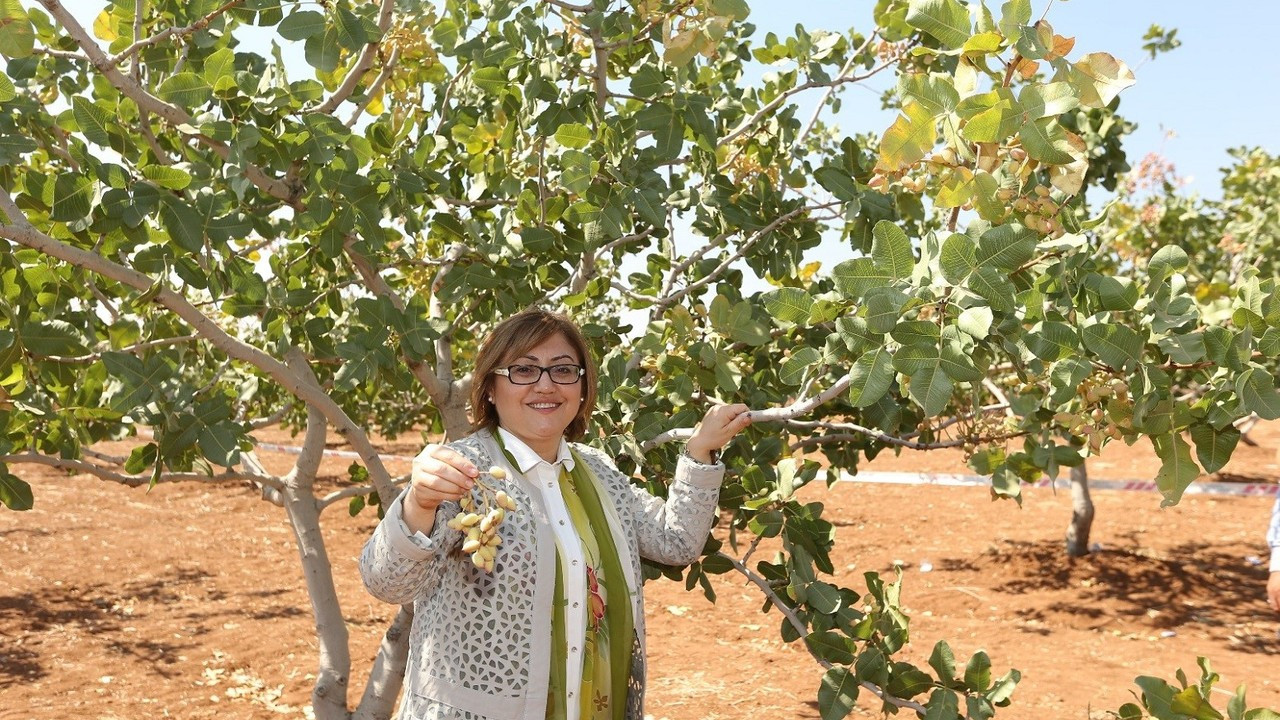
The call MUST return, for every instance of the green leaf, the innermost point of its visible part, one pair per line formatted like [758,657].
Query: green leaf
[1214,447]
[140,382]
[351,33]
[870,377]
[977,673]
[946,20]
[17,37]
[1257,390]
[975,322]
[1116,345]
[141,458]
[1261,714]
[1177,469]
[831,646]
[891,250]
[995,123]
[883,311]
[1014,15]
[301,25]
[1157,695]
[170,178]
[1050,99]
[219,444]
[182,223]
[93,121]
[1051,341]
[838,182]
[854,278]
[796,366]
[7,90]
[1046,141]
[822,597]
[943,705]
[1006,247]
[934,92]
[186,90]
[1190,703]
[943,661]
[491,79]
[931,390]
[837,694]
[957,364]
[1169,259]
[573,135]
[789,305]
[958,258]
[323,52]
[15,493]
[992,285]
[72,197]
[907,140]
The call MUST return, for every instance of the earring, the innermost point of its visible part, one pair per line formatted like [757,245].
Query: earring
[490,399]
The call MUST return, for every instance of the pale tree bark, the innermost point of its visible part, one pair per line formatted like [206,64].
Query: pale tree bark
[387,676]
[1081,513]
[329,696]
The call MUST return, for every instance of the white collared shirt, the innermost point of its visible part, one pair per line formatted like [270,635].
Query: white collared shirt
[545,477]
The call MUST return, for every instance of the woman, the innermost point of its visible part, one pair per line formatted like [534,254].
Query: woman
[552,624]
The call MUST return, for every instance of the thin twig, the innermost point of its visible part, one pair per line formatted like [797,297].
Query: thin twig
[373,90]
[180,32]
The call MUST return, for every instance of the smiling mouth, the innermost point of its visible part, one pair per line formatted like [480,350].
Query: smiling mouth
[544,405]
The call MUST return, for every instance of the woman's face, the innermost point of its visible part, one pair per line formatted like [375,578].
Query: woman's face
[539,413]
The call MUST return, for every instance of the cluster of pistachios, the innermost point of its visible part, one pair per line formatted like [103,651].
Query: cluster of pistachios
[480,523]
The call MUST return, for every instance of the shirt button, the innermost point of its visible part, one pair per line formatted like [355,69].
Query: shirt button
[561,522]
[575,563]
[575,604]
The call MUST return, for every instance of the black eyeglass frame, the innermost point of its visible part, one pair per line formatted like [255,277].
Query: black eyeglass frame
[506,372]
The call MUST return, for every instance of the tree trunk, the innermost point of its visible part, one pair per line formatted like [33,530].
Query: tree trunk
[329,696]
[387,676]
[1081,513]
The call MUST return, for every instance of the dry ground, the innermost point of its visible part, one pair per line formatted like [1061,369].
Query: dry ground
[187,601]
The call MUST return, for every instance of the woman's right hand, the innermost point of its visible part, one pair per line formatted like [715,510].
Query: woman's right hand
[439,474]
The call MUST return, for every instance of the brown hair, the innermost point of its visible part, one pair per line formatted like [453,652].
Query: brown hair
[514,337]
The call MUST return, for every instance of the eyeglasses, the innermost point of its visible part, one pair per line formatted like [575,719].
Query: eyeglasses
[531,374]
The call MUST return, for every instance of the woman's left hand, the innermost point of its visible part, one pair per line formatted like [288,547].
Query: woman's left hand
[718,427]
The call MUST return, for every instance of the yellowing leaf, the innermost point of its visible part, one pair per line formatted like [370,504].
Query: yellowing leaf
[907,139]
[376,106]
[1027,68]
[1069,178]
[102,27]
[1062,47]
[1105,77]
[957,189]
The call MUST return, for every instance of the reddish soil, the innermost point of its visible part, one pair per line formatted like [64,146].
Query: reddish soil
[188,601]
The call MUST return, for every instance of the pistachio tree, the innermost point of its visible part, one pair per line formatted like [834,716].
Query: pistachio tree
[204,239]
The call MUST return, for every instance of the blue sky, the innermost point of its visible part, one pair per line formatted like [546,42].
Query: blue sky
[1216,91]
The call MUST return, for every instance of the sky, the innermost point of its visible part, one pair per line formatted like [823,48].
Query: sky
[1216,91]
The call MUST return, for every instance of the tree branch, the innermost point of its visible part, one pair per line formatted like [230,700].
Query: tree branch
[746,245]
[362,65]
[570,6]
[444,345]
[388,670]
[79,466]
[180,32]
[175,115]
[802,630]
[378,82]
[313,395]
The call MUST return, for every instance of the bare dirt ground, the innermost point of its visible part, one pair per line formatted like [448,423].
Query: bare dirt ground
[188,601]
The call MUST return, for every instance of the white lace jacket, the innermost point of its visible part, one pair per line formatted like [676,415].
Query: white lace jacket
[480,644]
